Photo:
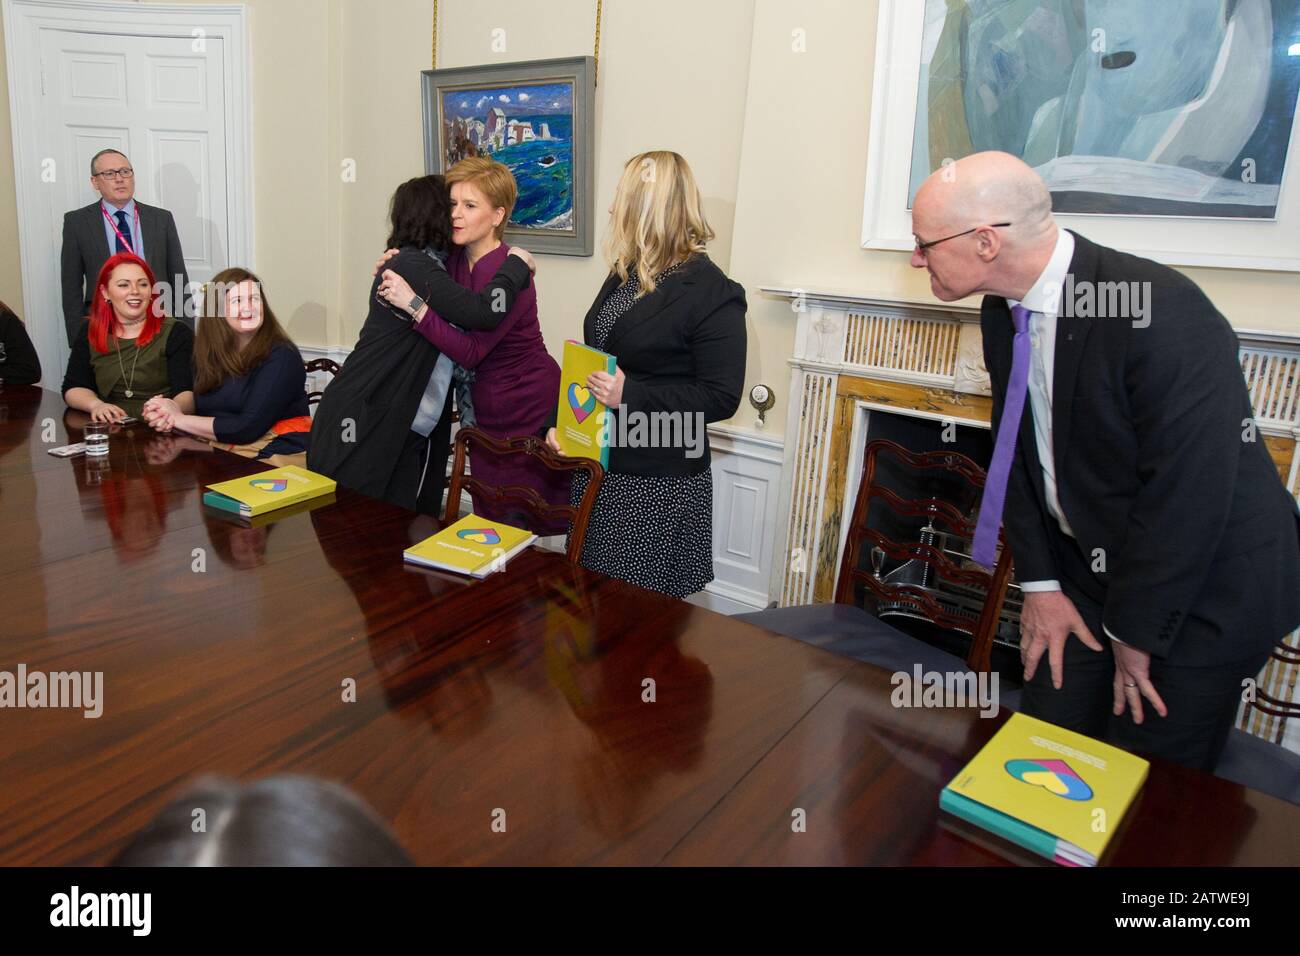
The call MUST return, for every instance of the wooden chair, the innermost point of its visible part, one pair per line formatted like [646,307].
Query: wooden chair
[970,600]
[1262,764]
[980,588]
[1286,653]
[319,365]
[328,365]
[528,498]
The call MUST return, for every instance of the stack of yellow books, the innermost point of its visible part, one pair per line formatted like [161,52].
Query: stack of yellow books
[267,491]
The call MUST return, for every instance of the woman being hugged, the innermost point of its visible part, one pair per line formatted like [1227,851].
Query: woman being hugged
[515,380]
[128,351]
[383,425]
[676,325]
[249,378]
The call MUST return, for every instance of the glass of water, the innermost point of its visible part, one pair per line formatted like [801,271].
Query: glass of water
[95,435]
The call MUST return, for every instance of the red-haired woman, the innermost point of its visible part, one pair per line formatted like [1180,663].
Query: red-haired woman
[128,351]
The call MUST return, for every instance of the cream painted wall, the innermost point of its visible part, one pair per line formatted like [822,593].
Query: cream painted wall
[660,86]
[295,48]
[332,82]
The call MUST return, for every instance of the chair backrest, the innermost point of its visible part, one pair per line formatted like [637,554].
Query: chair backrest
[1286,654]
[528,498]
[319,365]
[970,598]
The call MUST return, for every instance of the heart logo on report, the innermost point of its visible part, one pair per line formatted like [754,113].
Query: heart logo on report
[480,535]
[269,484]
[581,401]
[1055,776]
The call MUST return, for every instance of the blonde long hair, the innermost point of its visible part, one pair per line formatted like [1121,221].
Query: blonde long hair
[658,218]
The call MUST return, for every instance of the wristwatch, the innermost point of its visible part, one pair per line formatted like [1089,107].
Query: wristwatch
[415,305]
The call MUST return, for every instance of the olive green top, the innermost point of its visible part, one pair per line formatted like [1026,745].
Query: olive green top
[141,371]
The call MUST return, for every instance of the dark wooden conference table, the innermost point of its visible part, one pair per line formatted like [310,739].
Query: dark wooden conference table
[225,649]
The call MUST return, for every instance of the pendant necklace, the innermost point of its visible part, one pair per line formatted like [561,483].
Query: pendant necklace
[129,392]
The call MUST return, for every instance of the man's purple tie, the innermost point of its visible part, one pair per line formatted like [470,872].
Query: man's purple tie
[985,546]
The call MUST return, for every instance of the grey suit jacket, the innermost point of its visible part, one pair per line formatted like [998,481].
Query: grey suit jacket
[86,249]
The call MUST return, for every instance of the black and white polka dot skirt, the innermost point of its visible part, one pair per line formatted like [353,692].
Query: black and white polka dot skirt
[656,533]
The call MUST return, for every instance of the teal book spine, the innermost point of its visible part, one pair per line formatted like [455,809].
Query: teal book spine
[216,500]
[1008,827]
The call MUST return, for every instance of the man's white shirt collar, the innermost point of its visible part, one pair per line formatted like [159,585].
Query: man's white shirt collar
[1049,288]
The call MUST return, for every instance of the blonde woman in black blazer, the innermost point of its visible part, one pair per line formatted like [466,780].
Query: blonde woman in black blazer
[676,325]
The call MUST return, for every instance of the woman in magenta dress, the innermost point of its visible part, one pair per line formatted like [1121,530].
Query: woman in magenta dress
[515,381]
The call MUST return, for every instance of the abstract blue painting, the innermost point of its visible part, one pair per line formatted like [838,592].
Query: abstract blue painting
[1125,107]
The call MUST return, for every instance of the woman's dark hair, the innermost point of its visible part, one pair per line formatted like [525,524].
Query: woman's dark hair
[421,214]
[279,821]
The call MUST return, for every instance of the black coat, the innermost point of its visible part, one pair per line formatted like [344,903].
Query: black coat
[86,249]
[682,349]
[21,365]
[1200,538]
[365,415]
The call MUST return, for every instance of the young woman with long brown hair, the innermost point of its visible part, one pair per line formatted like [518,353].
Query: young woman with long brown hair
[249,379]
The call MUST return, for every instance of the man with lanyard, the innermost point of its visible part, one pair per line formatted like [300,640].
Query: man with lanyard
[118,223]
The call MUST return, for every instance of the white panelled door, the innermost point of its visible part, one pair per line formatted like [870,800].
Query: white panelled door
[165,84]
[160,101]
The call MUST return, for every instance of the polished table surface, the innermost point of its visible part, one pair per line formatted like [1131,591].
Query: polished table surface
[226,649]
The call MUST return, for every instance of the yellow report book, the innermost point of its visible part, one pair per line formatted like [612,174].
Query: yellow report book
[267,490]
[1057,793]
[473,546]
[579,418]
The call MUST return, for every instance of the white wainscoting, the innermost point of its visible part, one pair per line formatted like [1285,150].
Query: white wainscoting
[746,501]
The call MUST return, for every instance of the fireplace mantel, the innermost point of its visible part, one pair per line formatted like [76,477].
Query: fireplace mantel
[859,349]
[857,301]
[967,310]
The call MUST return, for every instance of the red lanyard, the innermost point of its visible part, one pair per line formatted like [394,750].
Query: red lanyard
[112,222]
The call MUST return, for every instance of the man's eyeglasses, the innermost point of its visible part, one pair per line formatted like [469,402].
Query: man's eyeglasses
[922,246]
[126,172]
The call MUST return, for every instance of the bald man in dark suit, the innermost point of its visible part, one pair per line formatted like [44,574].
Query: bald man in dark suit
[1142,509]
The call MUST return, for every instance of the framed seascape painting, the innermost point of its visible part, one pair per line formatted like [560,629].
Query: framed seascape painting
[534,117]
[1165,129]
